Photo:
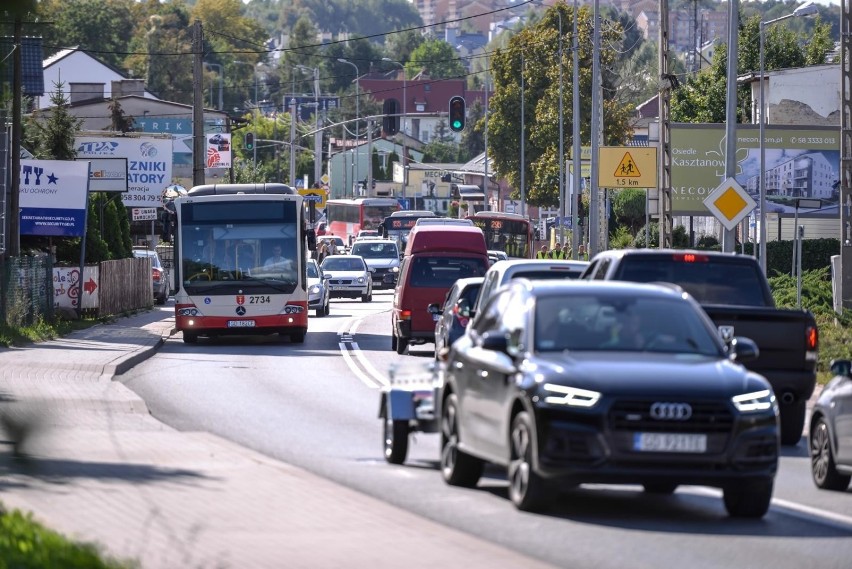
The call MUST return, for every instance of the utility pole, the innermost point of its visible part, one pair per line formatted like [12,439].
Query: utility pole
[369,155]
[845,158]
[293,142]
[14,247]
[596,130]
[198,154]
[728,236]
[664,191]
[575,134]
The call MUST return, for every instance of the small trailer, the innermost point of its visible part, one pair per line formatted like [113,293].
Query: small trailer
[408,406]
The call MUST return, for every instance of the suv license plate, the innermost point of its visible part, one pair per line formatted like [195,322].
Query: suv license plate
[240,323]
[669,442]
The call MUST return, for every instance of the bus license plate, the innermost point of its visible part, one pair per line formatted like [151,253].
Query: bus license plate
[669,442]
[240,323]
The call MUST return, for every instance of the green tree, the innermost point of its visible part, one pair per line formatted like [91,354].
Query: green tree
[95,25]
[539,45]
[161,48]
[401,45]
[441,152]
[628,208]
[53,138]
[473,137]
[435,58]
[703,98]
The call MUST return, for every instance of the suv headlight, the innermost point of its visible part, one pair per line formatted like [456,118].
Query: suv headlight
[754,402]
[315,289]
[571,396]
[360,280]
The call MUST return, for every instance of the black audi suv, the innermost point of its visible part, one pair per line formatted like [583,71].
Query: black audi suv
[571,382]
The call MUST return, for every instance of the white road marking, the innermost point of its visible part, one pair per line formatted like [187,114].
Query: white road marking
[794,509]
[368,366]
[344,351]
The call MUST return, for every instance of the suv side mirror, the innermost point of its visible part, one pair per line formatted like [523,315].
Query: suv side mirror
[743,349]
[434,309]
[841,367]
[495,342]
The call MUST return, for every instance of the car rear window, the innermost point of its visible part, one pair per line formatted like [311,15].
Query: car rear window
[721,282]
[436,272]
[546,274]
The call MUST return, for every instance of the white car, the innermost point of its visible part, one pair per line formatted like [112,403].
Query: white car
[382,258]
[318,294]
[347,276]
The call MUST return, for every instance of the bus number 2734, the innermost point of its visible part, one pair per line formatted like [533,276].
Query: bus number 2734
[259,300]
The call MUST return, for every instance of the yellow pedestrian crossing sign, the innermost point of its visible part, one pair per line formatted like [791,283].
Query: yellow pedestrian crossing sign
[627,167]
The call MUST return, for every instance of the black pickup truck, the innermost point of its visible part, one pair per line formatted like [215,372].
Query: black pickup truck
[735,294]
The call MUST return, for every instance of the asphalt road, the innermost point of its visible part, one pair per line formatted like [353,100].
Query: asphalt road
[315,405]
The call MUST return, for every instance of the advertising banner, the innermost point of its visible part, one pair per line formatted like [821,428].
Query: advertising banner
[800,163]
[219,150]
[149,164]
[66,287]
[107,174]
[54,196]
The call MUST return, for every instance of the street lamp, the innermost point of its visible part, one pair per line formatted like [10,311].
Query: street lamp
[806,9]
[318,133]
[357,115]
[221,81]
[402,125]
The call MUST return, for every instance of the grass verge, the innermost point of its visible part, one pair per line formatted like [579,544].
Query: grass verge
[26,544]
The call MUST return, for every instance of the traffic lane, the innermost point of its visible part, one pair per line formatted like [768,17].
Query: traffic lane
[337,435]
[692,510]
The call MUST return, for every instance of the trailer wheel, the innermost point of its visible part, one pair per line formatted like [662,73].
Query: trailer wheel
[395,434]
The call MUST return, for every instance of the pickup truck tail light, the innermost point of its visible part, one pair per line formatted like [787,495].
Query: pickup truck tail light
[811,338]
[157,274]
[405,315]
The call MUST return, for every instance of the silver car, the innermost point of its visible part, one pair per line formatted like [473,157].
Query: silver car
[159,274]
[347,276]
[318,295]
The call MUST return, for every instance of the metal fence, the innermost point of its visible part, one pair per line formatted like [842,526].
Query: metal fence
[26,290]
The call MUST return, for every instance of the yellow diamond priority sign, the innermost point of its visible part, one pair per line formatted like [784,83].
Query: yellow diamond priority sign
[730,203]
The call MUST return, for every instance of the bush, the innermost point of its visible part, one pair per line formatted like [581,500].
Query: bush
[25,544]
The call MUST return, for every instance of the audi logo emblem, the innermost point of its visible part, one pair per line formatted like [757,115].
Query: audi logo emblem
[671,411]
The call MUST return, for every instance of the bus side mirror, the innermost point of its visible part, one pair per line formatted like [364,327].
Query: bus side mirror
[312,240]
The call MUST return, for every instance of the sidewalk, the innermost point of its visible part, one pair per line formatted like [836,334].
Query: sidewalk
[99,468]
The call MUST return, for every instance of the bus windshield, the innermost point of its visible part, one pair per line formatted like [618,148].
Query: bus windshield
[505,232]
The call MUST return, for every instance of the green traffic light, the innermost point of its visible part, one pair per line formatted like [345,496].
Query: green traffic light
[457,124]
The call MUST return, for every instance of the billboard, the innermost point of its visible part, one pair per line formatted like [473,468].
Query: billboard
[801,162]
[149,164]
[107,174]
[53,197]
[219,150]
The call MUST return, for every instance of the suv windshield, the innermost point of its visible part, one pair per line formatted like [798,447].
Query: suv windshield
[373,250]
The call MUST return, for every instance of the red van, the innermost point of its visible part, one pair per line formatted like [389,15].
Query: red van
[435,257]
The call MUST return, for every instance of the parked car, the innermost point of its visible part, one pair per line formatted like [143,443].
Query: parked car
[347,277]
[367,233]
[382,257]
[831,431]
[453,316]
[159,274]
[566,383]
[318,294]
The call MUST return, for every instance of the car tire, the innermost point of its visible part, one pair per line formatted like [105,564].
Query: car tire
[320,312]
[660,488]
[395,435]
[401,344]
[394,342]
[526,488]
[190,338]
[327,308]
[366,297]
[792,422]
[161,300]
[457,467]
[748,500]
[297,338]
[823,468]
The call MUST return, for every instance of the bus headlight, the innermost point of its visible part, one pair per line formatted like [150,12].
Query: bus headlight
[191,311]
[293,309]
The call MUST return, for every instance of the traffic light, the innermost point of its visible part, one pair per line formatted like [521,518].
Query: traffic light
[390,122]
[249,141]
[457,114]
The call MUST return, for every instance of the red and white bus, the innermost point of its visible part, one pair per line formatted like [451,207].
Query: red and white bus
[348,217]
[240,261]
[507,232]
